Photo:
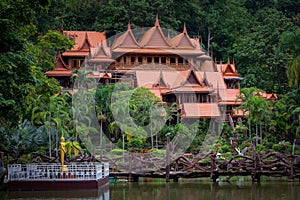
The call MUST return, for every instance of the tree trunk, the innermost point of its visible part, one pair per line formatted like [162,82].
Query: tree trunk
[49,142]
[261,137]
[101,134]
[56,143]
[256,134]
[250,136]
[151,136]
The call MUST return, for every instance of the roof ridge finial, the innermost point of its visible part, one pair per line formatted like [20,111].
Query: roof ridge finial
[233,61]
[156,21]
[228,62]
[184,28]
[221,62]
[128,27]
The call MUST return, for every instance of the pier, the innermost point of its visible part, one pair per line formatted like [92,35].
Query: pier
[209,165]
[51,176]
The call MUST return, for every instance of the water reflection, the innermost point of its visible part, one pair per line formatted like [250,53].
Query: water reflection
[173,191]
[213,191]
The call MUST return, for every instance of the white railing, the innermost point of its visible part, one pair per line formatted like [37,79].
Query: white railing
[76,171]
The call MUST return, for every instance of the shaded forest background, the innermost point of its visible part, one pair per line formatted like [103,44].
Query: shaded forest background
[263,37]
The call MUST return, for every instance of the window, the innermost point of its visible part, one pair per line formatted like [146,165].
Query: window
[81,62]
[180,60]
[132,59]
[149,59]
[172,60]
[140,59]
[74,63]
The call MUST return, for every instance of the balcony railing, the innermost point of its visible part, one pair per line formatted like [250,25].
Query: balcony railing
[150,66]
[44,172]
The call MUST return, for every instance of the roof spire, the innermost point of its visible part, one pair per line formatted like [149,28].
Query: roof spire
[156,21]
[184,28]
[228,62]
[233,61]
[128,28]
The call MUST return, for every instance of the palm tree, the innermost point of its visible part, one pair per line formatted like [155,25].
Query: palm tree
[258,109]
[52,115]
[290,42]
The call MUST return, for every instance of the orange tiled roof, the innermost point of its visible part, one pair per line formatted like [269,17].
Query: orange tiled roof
[76,53]
[61,69]
[85,39]
[59,73]
[154,37]
[228,69]
[101,53]
[176,81]
[203,110]
[230,96]
[126,40]
[239,113]
[182,40]
[99,75]
[267,96]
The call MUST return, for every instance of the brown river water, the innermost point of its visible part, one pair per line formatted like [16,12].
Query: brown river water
[239,189]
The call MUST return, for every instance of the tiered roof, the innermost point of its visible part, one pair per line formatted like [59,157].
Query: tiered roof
[154,41]
[101,53]
[228,69]
[84,40]
[182,40]
[202,110]
[61,69]
[126,40]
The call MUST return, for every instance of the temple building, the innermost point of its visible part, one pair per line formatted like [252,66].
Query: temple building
[176,69]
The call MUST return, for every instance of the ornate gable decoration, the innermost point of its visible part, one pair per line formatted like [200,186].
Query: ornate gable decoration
[60,65]
[192,79]
[154,37]
[229,69]
[161,82]
[101,51]
[127,40]
[182,40]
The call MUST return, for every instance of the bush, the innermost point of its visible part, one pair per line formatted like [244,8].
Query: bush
[260,148]
[225,148]
[135,143]
[269,145]
[278,147]
[118,151]
[119,144]
[158,152]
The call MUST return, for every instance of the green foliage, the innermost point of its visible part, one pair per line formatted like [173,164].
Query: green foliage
[118,151]
[20,140]
[262,36]
[135,144]
[72,148]
[47,48]
[290,42]
[278,147]
[160,153]
[225,148]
